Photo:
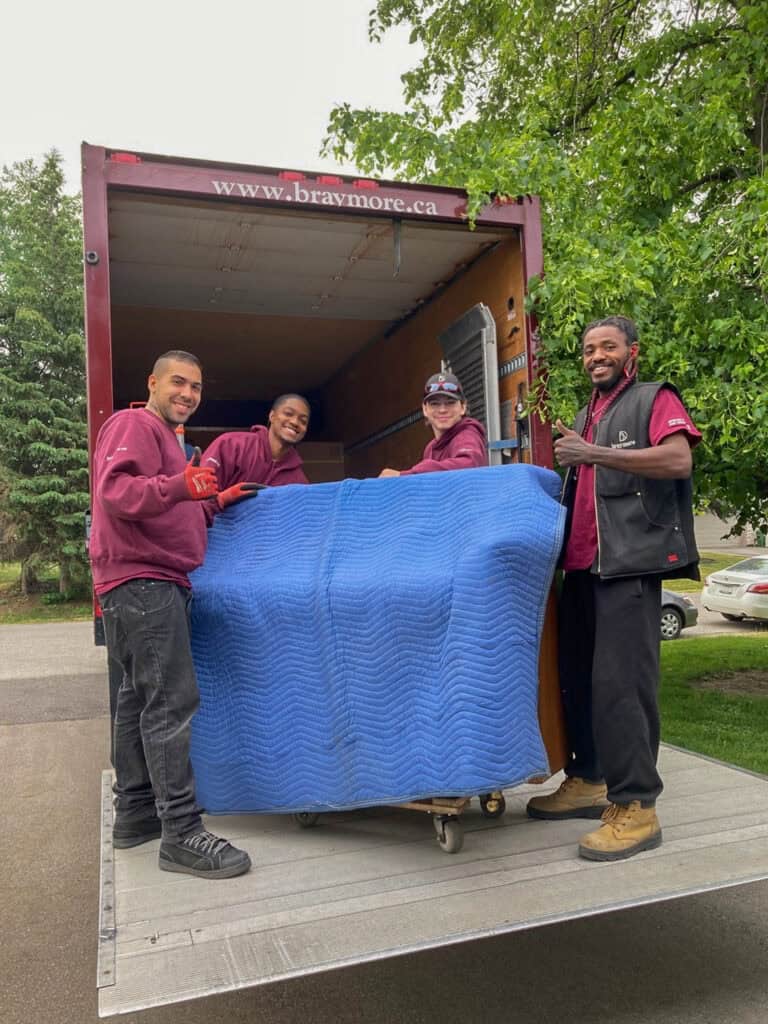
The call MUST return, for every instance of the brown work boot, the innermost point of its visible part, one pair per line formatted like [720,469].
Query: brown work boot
[576,798]
[627,829]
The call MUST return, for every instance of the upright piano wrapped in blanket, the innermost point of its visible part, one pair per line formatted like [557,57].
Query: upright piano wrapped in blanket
[373,641]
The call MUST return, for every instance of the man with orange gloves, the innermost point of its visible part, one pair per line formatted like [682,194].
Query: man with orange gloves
[148,533]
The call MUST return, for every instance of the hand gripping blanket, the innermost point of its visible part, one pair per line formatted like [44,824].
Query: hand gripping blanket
[373,641]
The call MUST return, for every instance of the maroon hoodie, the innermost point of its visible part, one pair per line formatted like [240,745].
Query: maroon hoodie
[461,447]
[240,457]
[144,524]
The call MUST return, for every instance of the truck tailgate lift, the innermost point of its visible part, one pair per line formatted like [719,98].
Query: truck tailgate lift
[374,885]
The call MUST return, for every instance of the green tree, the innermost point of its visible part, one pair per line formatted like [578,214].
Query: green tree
[643,125]
[43,447]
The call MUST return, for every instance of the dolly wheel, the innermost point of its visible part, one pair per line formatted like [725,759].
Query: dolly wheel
[306,819]
[492,805]
[450,834]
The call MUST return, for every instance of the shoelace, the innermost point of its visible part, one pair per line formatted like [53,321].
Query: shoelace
[205,842]
[619,816]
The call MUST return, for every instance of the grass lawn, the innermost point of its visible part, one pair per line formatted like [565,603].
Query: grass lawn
[714,697]
[15,608]
[711,561]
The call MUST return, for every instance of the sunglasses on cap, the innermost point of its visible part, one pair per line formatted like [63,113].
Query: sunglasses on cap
[440,385]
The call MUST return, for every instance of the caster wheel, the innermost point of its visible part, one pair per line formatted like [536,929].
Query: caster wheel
[492,805]
[306,819]
[450,834]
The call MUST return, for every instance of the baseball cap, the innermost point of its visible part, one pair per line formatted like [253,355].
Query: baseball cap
[443,384]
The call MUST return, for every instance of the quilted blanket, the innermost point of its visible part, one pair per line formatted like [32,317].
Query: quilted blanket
[373,641]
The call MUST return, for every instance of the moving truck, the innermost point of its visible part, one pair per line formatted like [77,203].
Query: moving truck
[347,290]
[351,291]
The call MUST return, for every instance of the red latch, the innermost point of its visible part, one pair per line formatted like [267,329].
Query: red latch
[292,176]
[329,179]
[365,183]
[125,158]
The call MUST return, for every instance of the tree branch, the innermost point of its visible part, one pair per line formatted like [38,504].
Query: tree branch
[723,174]
[679,52]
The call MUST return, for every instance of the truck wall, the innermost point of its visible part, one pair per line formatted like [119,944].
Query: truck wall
[384,383]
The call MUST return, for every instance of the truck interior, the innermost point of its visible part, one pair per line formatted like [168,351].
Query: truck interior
[346,309]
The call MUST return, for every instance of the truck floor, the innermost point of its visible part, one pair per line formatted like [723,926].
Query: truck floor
[367,885]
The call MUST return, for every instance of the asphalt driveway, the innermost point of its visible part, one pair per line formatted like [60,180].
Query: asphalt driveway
[712,623]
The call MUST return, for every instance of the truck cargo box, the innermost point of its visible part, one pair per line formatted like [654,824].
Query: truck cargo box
[350,291]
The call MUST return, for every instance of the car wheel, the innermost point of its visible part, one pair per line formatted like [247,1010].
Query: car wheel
[671,623]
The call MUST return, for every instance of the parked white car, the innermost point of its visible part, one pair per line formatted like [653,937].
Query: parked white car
[740,591]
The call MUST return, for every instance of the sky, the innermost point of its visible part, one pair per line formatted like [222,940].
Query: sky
[227,80]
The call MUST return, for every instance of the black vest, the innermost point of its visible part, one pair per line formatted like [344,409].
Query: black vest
[644,526]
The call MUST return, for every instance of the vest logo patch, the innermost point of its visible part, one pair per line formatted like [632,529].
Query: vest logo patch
[624,441]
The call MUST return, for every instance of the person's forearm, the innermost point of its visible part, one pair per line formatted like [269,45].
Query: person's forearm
[663,462]
[433,466]
[139,497]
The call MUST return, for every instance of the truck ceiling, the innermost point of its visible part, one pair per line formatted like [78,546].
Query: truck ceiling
[320,286]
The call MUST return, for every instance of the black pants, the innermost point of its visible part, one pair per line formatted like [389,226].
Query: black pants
[146,623]
[609,676]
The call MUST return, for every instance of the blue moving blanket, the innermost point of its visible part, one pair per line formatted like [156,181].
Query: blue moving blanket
[373,641]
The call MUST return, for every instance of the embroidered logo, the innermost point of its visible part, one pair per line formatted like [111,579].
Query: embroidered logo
[624,441]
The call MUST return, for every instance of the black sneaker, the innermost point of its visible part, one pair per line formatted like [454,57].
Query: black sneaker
[126,834]
[205,855]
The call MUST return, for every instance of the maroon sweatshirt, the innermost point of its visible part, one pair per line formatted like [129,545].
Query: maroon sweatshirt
[461,447]
[239,457]
[144,524]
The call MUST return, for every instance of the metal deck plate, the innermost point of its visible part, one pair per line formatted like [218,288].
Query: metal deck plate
[367,885]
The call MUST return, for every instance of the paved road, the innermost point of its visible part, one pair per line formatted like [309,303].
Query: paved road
[700,960]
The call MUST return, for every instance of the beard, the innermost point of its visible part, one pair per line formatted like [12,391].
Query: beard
[608,383]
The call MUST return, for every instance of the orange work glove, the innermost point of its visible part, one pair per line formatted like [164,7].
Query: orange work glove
[200,480]
[237,492]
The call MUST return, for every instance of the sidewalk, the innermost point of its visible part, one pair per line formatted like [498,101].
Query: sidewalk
[738,552]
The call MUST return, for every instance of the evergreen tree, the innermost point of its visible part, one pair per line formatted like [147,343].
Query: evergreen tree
[43,439]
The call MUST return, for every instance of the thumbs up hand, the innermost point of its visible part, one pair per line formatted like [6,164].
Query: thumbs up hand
[571,449]
[200,480]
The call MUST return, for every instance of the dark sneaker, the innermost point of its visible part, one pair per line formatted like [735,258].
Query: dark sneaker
[126,834]
[205,855]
